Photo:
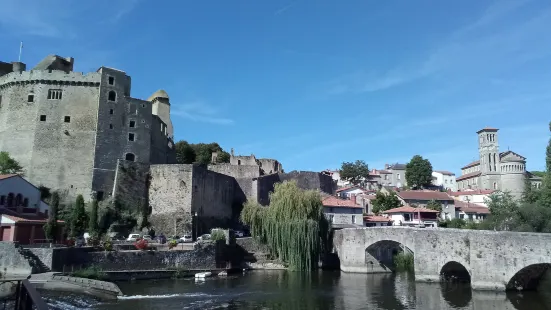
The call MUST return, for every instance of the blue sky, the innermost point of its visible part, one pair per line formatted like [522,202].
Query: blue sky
[315,83]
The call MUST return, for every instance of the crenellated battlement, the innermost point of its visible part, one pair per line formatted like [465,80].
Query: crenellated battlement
[54,77]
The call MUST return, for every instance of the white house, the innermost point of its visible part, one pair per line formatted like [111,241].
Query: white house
[410,216]
[350,191]
[476,196]
[445,179]
[342,213]
[471,211]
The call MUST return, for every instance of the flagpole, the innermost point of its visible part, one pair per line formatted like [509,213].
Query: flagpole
[20,51]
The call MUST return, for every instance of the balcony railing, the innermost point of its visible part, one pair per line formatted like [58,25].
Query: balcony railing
[25,298]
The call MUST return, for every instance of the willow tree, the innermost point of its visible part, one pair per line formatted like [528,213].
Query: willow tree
[293,226]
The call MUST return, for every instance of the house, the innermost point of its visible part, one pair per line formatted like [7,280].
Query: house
[366,201]
[342,213]
[348,192]
[444,179]
[471,211]
[420,198]
[410,216]
[22,213]
[375,220]
[477,196]
[336,175]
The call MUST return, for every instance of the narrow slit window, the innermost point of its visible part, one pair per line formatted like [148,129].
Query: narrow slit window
[111,111]
[131,137]
[132,124]
[110,126]
[111,80]
[30,98]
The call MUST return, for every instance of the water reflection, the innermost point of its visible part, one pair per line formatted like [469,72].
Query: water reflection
[323,290]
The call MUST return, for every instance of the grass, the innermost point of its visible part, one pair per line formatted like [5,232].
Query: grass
[93,273]
[404,262]
[179,272]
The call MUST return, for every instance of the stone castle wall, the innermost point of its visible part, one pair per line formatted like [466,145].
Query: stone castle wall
[54,153]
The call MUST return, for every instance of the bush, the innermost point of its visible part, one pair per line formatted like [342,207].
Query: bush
[217,234]
[90,273]
[404,261]
[107,245]
[172,244]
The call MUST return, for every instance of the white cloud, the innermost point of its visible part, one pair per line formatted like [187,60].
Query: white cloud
[200,112]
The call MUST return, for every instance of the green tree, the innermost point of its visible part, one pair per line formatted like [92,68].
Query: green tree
[187,153]
[51,227]
[418,172]
[530,194]
[354,172]
[93,224]
[540,174]
[294,226]
[383,202]
[78,218]
[434,205]
[545,193]
[9,165]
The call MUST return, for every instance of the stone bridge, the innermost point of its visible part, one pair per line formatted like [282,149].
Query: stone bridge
[489,260]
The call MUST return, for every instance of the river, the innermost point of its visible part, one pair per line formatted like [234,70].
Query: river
[288,290]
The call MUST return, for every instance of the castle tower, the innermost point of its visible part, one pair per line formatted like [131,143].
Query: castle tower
[161,108]
[490,169]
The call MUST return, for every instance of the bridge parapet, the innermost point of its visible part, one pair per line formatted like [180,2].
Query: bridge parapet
[493,260]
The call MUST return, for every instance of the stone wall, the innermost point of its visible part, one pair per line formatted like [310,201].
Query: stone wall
[170,193]
[305,180]
[11,261]
[131,186]
[243,175]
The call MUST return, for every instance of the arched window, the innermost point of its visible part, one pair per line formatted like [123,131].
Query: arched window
[18,200]
[130,157]
[112,96]
[10,200]
[26,202]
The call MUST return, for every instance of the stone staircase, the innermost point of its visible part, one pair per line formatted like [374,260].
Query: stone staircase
[36,264]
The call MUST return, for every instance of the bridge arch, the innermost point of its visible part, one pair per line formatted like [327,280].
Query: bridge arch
[454,271]
[529,277]
[381,254]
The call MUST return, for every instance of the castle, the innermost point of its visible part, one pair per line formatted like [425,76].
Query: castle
[84,134]
[68,129]
[505,171]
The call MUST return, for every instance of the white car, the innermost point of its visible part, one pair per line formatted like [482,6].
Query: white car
[239,234]
[133,237]
[185,239]
[204,237]
[147,237]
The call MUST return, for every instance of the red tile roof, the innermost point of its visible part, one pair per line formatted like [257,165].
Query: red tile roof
[376,218]
[444,172]
[471,208]
[5,176]
[468,176]
[424,195]
[349,187]
[473,192]
[474,163]
[335,202]
[384,172]
[409,209]
[28,219]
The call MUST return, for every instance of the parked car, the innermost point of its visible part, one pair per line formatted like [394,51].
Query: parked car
[133,237]
[185,239]
[147,237]
[239,234]
[204,237]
